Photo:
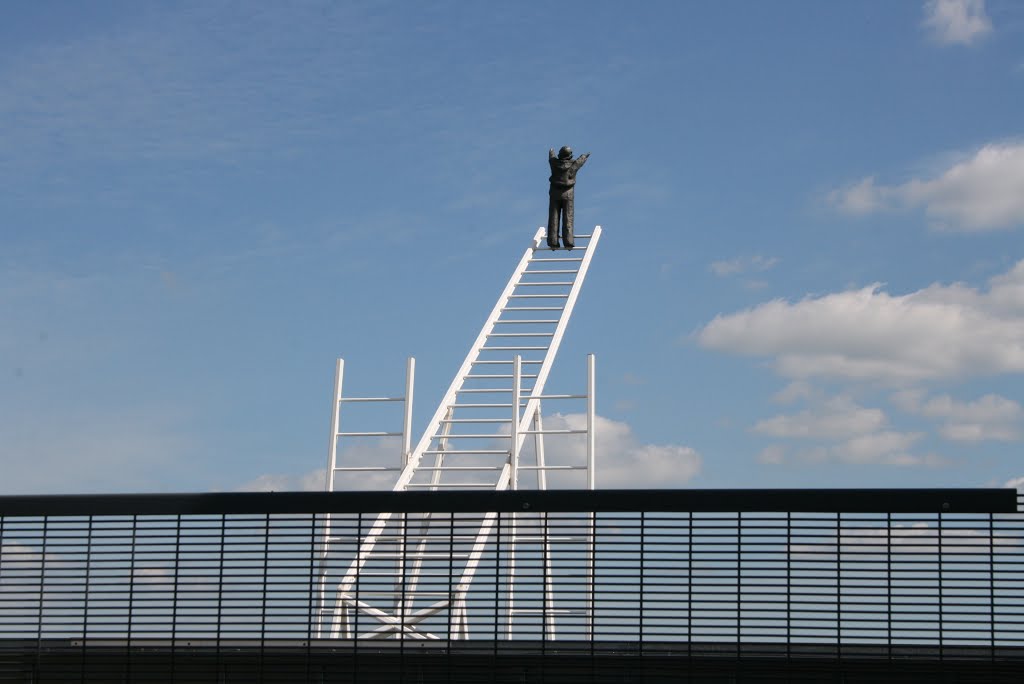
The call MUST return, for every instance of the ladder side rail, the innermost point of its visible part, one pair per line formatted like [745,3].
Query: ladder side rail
[513,453]
[332,461]
[410,379]
[435,480]
[591,422]
[533,403]
[362,556]
[474,352]
[332,453]
[542,473]
[591,480]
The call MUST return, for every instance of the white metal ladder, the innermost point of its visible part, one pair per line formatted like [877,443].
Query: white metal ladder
[473,441]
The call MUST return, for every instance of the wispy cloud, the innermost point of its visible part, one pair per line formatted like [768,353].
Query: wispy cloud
[833,418]
[990,417]
[956,22]
[836,429]
[982,192]
[941,331]
[744,264]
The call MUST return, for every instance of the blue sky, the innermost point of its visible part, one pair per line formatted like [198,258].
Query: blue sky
[810,273]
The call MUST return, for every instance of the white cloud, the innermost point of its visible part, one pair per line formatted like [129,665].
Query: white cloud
[862,197]
[839,430]
[774,454]
[980,193]
[1015,483]
[990,417]
[753,264]
[834,418]
[794,391]
[313,481]
[887,448]
[942,331]
[376,452]
[957,21]
[622,461]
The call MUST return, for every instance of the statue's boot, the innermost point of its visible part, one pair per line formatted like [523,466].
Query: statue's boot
[552,239]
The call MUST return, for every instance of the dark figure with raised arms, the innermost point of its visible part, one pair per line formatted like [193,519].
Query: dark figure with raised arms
[560,196]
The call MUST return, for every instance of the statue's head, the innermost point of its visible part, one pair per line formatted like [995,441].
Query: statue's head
[565,153]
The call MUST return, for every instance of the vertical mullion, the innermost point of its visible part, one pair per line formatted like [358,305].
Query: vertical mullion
[131,593]
[220,591]
[263,594]
[643,585]
[85,606]
[888,585]
[174,596]
[940,555]
[312,605]
[789,588]
[991,588]
[42,598]
[839,584]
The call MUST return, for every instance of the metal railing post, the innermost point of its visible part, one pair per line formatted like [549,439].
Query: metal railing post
[591,422]
[410,377]
[517,370]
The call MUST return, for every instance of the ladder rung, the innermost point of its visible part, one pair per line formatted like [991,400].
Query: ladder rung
[491,436]
[484,391]
[418,468]
[498,377]
[477,420]
[552,432]
[505,361]
[466,451]
[550,539]
[552,284]
[552,467]
[553,271]
[552,260]
[372,399]
[513,348]
[508,405]
[524,334]
[540,296]
[373,468]
[527,321]
[560,396]
[450,485]
[532,308]
[369,434]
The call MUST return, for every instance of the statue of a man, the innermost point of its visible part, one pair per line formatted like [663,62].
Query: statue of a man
[560,197]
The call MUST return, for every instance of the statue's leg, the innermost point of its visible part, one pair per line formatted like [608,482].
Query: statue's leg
[567,240]
[553,220]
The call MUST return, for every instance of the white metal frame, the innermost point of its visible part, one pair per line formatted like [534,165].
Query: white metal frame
[404,619]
